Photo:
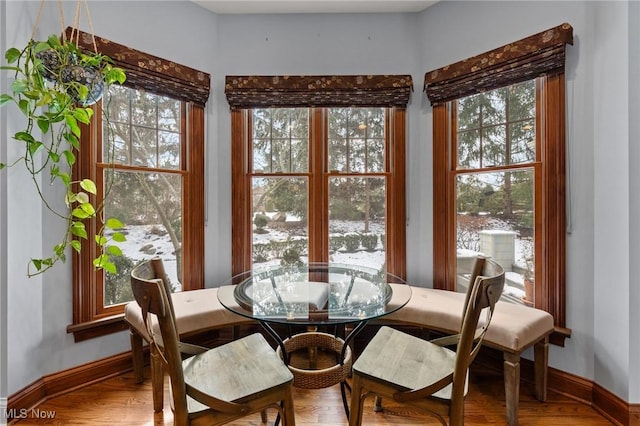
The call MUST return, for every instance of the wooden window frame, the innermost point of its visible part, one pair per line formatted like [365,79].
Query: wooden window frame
[165,78]
[550,220]
[318,188]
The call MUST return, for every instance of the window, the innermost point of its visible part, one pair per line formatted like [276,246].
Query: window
[318,184]
[499,169]
[145,150]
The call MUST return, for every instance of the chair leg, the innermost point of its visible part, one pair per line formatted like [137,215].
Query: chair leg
[377,405]
[541,362]
[137,355]
[289,413]
[511,368]
[157,379]
[355,413]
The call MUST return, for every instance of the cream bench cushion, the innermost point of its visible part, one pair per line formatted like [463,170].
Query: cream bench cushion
[196,311]
[513,329]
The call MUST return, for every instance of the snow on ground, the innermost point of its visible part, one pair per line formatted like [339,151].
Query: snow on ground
[147,237]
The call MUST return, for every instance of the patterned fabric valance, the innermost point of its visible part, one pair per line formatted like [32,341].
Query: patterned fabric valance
[148,72]
[321,91]
[531,57]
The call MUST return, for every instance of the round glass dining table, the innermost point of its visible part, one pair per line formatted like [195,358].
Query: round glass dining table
[315,295]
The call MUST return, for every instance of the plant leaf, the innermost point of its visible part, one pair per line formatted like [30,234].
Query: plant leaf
[45,99]
[35,147]
[24,136]
[88,209]
[118,237]
[12,55]
[109,267]
[75,244]
[70,156]
[19,86]
[72,123]
[78,229]
[66,179]
[82,115]
[101,240]
[37,263]
[80,214]
[114,250]
[114,223]
[24,106]
[89,186]
[43,125]
[32,94]
[4,98]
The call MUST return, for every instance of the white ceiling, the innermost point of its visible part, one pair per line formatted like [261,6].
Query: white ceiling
[314,6]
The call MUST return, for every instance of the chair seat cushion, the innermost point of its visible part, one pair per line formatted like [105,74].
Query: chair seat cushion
[406,362]
[196,310]
[243,368]
[513,327]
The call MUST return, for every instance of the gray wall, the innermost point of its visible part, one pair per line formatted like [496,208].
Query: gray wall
[601,117]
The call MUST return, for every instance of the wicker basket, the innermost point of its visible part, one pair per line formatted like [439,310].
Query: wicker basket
[316,379]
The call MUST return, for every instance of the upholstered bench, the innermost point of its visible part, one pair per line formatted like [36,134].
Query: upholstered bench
[513,329]
[196,311]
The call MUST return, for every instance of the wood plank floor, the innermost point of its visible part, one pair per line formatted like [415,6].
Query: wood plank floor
[120,401]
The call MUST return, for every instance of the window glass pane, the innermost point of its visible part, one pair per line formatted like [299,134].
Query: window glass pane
[522,101]
[493,107]
[468,112]
[144,129]
[280,140]
[357,221]
[280,231]
[150,205]
[469,149]
[143,148]
[523,141]
[497,128]
[357,140]
[495,217]
[493,146]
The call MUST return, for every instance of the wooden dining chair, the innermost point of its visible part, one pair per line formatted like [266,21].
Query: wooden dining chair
[428,374]
[211,386]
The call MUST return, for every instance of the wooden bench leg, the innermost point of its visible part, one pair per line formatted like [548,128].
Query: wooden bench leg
[511,367]
[137,355]
[541,362]
[157,379]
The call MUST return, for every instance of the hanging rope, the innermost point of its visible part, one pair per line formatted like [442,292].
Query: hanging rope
[60,12]
[75,32]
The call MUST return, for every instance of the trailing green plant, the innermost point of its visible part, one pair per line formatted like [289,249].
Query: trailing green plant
[54,85]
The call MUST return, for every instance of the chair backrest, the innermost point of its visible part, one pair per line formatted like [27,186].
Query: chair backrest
[485,289]
[151,290]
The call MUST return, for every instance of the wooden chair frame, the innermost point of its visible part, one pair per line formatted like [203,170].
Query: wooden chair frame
[274,386]
[484,291]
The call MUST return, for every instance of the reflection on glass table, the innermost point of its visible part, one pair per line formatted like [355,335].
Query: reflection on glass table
[315,295]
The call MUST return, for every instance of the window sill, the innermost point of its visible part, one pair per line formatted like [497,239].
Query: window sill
[97,328]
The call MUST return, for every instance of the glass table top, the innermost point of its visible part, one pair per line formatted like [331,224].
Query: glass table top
[314,294]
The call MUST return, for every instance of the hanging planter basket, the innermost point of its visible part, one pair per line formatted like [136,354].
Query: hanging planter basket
[85,84]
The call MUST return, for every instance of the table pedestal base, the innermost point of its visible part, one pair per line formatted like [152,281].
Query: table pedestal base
[321,378]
